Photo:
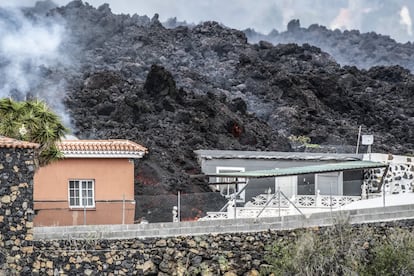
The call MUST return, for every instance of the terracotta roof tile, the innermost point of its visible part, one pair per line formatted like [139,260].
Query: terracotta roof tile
[6,142]
[111,147]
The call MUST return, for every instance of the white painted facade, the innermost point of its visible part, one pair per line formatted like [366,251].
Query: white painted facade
[328,191]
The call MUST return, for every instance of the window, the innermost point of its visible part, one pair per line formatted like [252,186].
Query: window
[352,182]
[81,193]
[306,184]
[230,189]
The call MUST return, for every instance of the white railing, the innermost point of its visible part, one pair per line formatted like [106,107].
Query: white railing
[214,216]
[279,205]
[302,201]
[253,212]
[262,199]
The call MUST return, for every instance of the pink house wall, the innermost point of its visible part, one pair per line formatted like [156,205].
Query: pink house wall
[114,181]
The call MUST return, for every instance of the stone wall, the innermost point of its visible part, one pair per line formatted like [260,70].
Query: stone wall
[215,253]
[399,177]
[219,254]
[16,209]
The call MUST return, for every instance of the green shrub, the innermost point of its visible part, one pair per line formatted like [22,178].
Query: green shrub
[280,259]
[303,140]
[33,121]
[392,255]
[343,250]
[338,250]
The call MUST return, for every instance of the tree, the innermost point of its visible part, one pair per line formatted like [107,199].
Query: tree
[33,121]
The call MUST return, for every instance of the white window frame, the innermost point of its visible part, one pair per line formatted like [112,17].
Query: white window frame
[82,182]
[231,179]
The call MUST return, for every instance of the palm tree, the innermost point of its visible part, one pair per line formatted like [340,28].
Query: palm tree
[33,121]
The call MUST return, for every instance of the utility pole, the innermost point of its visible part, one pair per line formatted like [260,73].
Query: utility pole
[359,138]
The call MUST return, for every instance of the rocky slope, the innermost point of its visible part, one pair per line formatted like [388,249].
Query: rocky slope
[353,48]
[182,89]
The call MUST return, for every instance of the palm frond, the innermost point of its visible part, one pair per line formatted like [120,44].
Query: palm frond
[32,121]
[9,127]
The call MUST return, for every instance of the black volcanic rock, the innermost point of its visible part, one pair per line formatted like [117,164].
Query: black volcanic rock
[182,89]
[363,50]
[292,89]
[160,82]
[172,123]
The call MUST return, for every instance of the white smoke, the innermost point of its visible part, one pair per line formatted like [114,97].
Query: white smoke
[25,48]
[351,16]
[405,19]
[264,15]
[29,55]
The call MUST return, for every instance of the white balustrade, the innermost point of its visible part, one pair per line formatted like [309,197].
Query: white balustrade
[214,216]
[319,201]
[275,208]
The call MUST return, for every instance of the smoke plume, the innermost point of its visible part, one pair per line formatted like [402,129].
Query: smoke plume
[30,52]
[406,19]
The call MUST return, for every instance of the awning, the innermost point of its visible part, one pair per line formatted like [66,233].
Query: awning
[324,168]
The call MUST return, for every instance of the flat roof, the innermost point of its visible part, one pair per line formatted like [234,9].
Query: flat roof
[324,168]
[240,154]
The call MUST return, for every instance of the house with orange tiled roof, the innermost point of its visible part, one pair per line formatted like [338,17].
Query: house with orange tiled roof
[92,184]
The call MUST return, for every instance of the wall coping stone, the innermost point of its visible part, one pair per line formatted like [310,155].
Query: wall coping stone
[171,229]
